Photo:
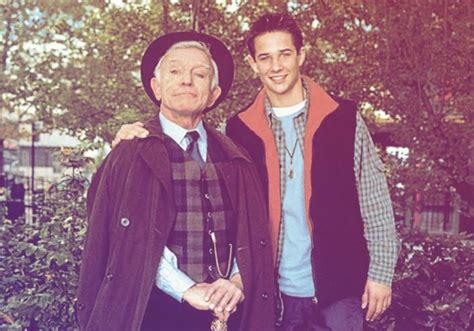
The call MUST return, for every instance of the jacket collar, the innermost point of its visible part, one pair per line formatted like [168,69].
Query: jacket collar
[153,152]
[155,155]
[153,126]
[230,149]
[269,111]
[317,98]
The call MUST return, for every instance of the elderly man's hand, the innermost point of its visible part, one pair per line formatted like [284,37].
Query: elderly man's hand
[130,131]
[224,295]
[377,297]
[195,296]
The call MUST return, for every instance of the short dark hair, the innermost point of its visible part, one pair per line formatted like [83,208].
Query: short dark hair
[273,22]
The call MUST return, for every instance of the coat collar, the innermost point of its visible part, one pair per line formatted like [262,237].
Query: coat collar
[153,151]
[230,149]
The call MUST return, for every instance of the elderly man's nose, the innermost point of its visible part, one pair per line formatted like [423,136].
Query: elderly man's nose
[186,78]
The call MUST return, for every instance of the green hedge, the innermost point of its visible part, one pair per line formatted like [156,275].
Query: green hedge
[434,285]
[39,271]
[40,262]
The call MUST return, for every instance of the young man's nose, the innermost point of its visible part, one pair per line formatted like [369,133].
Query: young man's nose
[276,64]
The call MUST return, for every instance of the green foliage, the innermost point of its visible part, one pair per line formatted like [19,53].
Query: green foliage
[31,44]
[39,262]
[434,285]
[100,86]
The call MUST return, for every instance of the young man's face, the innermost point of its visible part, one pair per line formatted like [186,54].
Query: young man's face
[277,62]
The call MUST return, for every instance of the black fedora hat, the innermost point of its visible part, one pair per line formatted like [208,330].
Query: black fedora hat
[159,46]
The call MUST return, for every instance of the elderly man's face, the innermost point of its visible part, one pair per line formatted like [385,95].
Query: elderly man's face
[184,85]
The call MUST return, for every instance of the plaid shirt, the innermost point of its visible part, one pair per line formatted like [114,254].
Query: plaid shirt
[374,198]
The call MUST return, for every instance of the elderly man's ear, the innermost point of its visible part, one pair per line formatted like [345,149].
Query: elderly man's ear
[215,93]
[155,86]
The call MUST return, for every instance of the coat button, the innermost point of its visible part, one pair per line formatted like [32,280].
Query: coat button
[209,214]
[207,196]
[210,268]
[211,251]
[263,243]
[109,276]
[264,295]
[80,306]
[125,222]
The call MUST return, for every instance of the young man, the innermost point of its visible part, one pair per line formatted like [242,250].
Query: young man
[331,220]
[178,216]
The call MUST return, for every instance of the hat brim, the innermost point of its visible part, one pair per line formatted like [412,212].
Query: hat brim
[159,46]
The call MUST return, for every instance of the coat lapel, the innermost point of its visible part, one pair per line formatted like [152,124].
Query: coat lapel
[154,153]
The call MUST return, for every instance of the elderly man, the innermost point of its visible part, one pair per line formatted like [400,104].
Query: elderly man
[177,221]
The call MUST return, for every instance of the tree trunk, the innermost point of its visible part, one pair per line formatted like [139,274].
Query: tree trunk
[195,19]
[166,11]
[466,192]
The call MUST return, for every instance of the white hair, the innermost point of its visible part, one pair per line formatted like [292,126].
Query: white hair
[189,44]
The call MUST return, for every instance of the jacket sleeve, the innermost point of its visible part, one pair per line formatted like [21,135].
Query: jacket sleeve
[96,246]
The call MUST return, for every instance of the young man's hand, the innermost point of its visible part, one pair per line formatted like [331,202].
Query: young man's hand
[195,295]
[130,131]
[223,295]
[377,297]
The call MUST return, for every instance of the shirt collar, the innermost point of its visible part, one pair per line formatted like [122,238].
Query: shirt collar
[178,133]
[269,111]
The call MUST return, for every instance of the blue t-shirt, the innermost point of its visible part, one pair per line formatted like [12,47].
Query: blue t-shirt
[295,270]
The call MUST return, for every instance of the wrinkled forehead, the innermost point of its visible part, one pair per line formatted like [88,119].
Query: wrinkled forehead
[191,56]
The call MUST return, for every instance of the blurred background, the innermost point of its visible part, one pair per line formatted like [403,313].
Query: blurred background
[70,77]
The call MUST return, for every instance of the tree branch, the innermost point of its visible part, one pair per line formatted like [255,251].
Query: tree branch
[6,39]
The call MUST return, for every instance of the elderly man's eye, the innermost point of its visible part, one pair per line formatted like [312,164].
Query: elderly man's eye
[174,71]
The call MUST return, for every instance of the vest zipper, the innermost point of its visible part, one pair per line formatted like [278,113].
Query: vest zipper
[313,272]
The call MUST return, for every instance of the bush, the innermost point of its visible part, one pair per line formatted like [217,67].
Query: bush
[434,285]
[40,262]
